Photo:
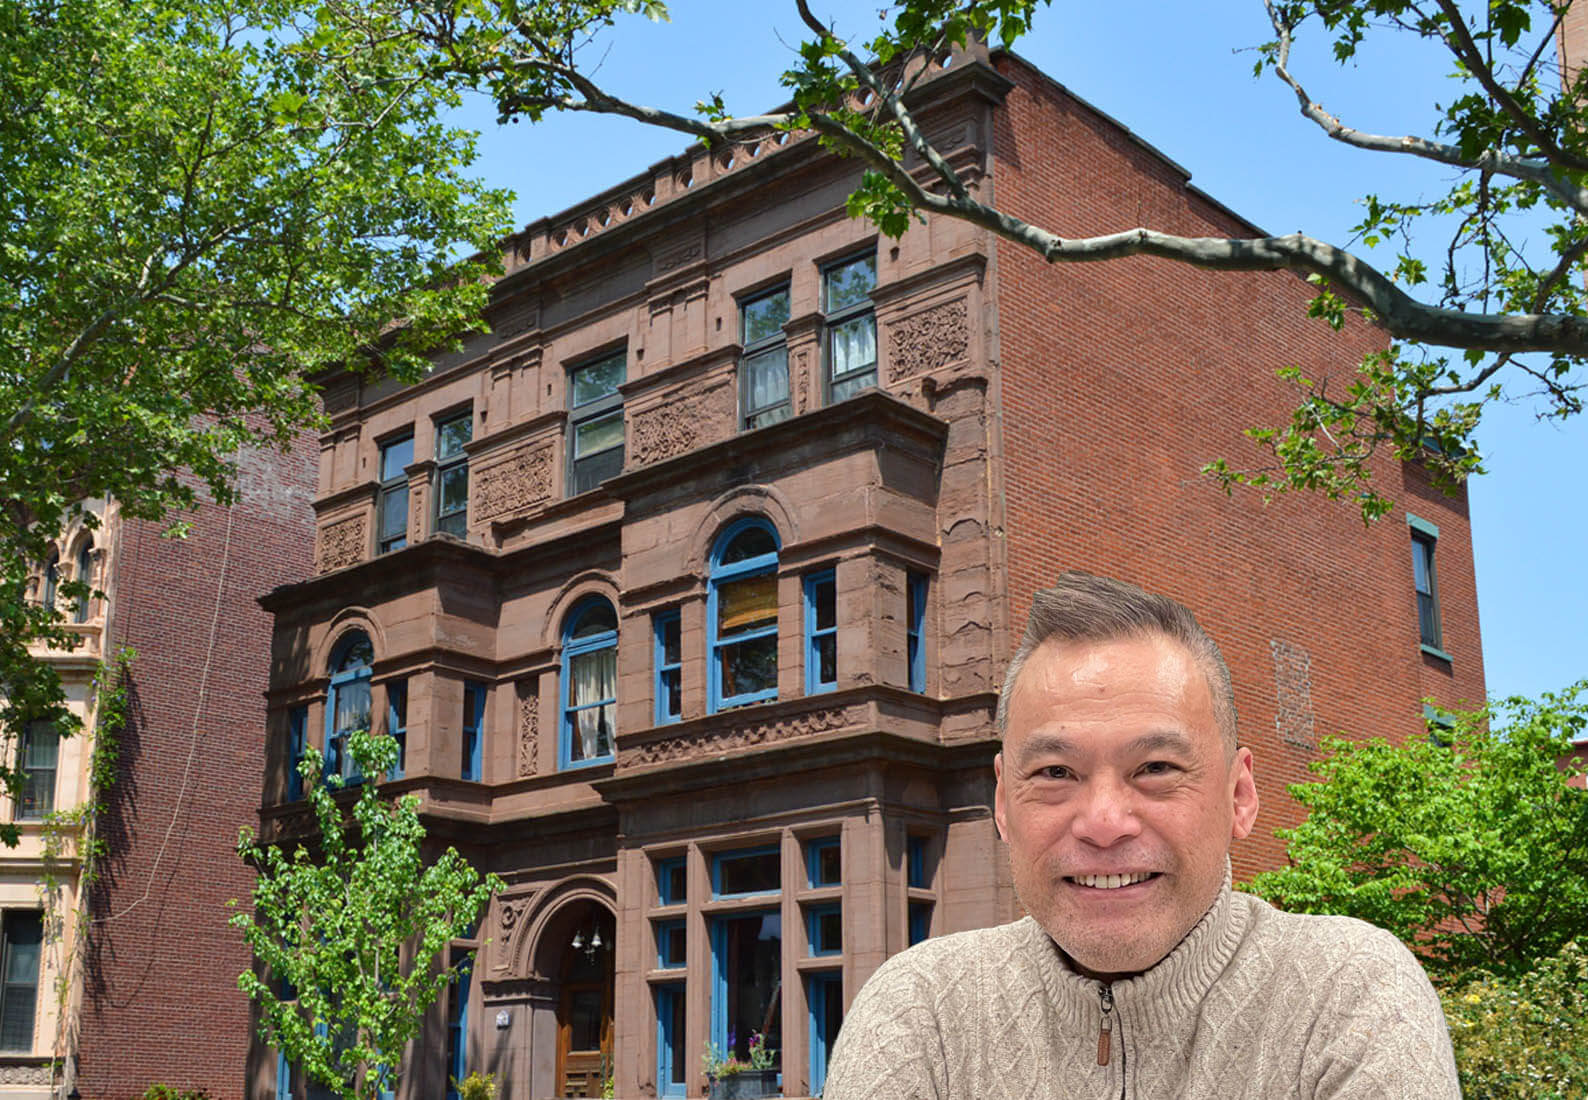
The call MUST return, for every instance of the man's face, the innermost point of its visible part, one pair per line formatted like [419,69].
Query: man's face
[1118,798]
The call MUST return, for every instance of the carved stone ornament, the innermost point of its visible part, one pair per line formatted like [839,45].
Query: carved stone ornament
[341,545]
[677,258]
[528,728]
[732,738]
[928,340]
[519,483]
[682,425]
[25,1075]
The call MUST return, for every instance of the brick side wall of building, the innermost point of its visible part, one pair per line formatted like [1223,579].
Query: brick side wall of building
[1120,379]
[161,1000]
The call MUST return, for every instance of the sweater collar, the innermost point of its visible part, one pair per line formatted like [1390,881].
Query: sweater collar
[1171,989]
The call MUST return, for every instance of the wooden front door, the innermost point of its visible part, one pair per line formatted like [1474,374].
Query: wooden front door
[584,1016]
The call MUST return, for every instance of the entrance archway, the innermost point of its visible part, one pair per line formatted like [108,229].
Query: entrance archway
[584,1003]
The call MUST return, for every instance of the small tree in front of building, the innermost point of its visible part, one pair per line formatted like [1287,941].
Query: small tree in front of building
[349,927]
[1470,845]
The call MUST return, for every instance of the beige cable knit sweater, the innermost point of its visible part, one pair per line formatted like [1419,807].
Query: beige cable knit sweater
[1252,1003]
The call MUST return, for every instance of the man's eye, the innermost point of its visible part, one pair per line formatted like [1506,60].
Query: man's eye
[1055,771]
[1157,767]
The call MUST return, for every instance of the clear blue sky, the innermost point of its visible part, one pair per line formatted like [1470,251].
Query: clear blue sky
[1174,73]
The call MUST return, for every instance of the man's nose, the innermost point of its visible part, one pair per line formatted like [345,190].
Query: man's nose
[1105,813]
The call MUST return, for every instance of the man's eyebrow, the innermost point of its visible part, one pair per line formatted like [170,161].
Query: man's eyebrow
[1160,740]
[1046,744]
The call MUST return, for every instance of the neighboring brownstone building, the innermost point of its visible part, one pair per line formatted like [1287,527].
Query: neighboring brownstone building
[150,979]
[689,587]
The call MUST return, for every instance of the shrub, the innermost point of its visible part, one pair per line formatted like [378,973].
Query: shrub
[162,1091]
[1524,1037]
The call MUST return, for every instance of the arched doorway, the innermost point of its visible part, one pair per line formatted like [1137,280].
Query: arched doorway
[584,1004]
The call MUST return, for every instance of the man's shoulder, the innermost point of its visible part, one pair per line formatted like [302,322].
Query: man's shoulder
[963,958]
[1325,945]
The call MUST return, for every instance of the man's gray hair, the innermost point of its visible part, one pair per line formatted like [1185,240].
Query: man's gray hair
[1085,608]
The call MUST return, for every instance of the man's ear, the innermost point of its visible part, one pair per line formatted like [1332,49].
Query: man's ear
[998,797]
[1243,791]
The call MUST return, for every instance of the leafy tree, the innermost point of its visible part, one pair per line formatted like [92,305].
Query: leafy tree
[202,202]
[349,932]
[1507,314]
[1471,845]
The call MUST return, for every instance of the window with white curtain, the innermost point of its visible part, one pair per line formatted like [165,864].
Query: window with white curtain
[589,684]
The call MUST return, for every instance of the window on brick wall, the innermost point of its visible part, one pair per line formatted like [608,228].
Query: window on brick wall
[851,326]
[297,728]
[21,937]
[392,524]
[763,365]
[595,422]
[914,624]
[452,474]
[1425,537]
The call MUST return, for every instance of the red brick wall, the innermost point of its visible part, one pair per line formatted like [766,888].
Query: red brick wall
[1120,379]
[160,1000]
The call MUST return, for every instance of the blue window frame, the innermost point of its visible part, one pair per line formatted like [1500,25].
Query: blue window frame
[397,724]
[915,860]
[284,1083]
[297,725]
[589,684]
[392,514]
[347,705]
[824,924]
[823,865]
[672,882]
[668,660]
[821,632]
[825,994]
[746,872]
[452,474]
[1425,537]
[671,944]
[746,982]
[458,1022]
[915,617]
[473,729]
[671,1061]
[741,615]
[920,921]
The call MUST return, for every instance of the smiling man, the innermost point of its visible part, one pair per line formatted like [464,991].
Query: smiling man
[1139,972]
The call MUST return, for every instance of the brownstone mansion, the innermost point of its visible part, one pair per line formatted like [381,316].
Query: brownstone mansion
[688,588]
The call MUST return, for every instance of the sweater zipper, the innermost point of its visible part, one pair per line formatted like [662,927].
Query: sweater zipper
[1105,1031]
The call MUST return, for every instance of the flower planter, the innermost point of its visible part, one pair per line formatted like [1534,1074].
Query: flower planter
[745,1084]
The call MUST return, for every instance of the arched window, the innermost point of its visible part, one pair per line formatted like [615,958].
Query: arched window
[85,575]
[52,579]
[589,683]
[347,705]
[741,615]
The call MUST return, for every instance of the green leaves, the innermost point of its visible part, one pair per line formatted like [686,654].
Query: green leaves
[1470,845]
[348,929]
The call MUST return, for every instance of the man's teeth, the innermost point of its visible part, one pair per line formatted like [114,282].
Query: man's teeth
[1112,882]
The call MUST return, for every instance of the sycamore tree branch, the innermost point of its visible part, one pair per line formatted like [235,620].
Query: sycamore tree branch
[1534,170]
[1459,40]
[906,122]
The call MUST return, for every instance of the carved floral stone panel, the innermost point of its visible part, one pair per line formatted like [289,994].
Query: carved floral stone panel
[733,738]
[928,340]
[675,427]
[341,544]
[521,482]
[528,728]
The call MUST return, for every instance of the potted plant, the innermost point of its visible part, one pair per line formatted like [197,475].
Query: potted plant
[730,1079]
